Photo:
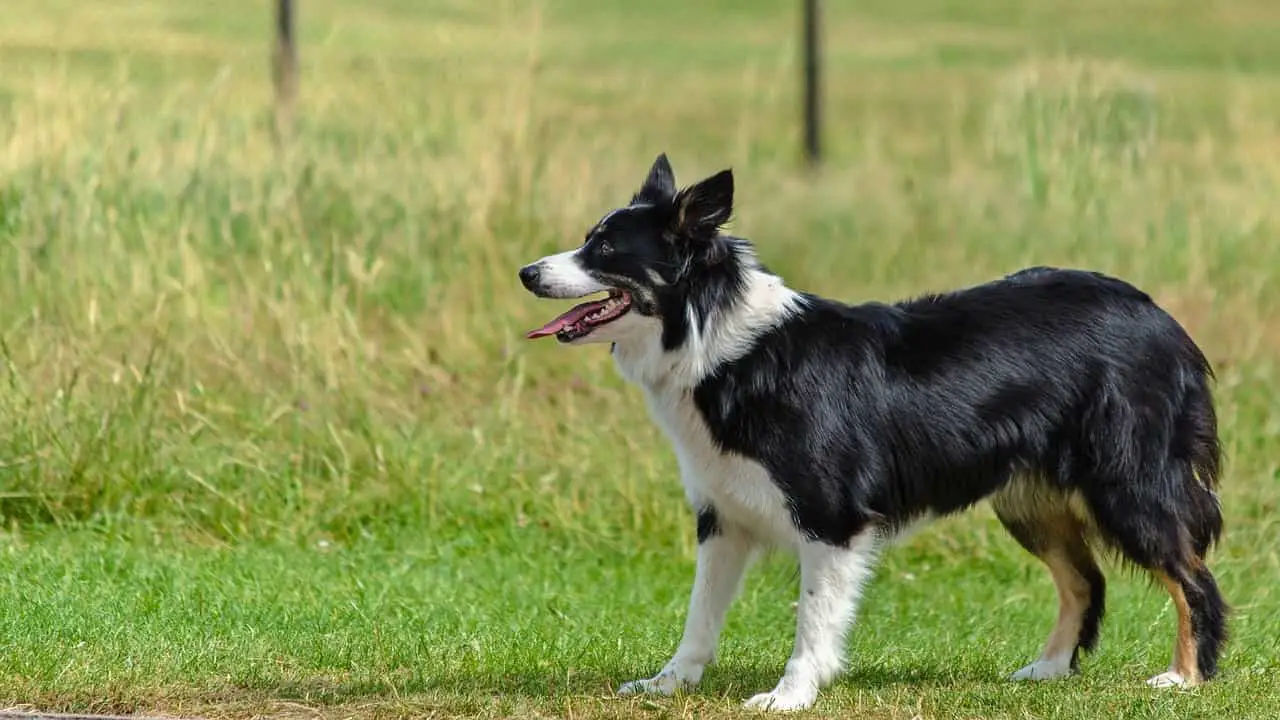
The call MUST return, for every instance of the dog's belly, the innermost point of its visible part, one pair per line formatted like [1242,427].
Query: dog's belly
[738,488]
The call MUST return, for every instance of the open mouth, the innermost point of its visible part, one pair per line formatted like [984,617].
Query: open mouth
[581,320]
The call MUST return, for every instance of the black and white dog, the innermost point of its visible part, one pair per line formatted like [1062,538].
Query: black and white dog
[1069,399]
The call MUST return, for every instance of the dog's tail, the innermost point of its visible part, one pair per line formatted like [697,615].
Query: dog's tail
[1198,425]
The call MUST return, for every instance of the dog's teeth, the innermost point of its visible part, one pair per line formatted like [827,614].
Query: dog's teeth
[607,307]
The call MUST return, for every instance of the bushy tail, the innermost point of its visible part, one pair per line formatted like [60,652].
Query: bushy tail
[1200,425]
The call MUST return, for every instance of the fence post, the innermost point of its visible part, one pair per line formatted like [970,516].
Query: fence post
[812,78]
[284,64]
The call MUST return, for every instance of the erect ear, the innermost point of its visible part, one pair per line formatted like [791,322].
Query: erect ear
[660,186]
[702,209]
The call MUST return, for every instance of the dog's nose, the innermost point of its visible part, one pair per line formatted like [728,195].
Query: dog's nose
[529,275]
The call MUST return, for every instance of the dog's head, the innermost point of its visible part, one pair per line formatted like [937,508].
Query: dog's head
[643,255]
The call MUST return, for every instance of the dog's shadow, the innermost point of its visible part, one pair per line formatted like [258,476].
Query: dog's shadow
[740,681]
[724,681]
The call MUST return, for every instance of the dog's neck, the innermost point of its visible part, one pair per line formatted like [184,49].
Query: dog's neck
[717,333]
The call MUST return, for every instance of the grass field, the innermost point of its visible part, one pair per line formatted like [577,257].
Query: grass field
[271,442]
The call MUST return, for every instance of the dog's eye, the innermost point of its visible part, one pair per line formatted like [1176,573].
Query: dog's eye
[605,248]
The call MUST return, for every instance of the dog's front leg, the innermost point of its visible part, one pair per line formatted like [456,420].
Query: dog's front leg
[724,552]
[831,579]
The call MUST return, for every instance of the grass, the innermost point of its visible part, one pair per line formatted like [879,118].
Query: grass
[272,443]
[482,624]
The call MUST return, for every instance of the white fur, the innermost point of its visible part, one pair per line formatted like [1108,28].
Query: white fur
[739,489]
[1168,679]
[831,581]
[751,509]
[1051,668]
[722,562]
[655,277]
[562,276]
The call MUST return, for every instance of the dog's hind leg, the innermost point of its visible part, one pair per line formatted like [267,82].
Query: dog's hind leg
[724,553]
[1151,488]
[1169,545]
[831,580]
[1043,522]
[1201,629]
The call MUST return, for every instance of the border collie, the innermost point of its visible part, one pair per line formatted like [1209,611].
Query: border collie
[1069,399]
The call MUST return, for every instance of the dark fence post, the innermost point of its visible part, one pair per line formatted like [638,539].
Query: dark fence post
[812,77]
[284,63]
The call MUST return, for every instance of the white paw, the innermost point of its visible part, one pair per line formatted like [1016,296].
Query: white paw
[1044,670]
[1167,680]
[781,700]
[664,683]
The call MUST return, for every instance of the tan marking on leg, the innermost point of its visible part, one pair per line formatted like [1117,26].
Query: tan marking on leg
[1184,646]
[1073,601]
[1056,526]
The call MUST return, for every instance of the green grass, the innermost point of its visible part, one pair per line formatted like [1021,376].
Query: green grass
[482,623]
[272,443]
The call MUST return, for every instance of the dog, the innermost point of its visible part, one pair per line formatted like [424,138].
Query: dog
[1068,399]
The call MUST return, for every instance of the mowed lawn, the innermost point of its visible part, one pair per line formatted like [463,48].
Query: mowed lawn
[271,442]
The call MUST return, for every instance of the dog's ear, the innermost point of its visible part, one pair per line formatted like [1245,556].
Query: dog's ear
[702,209]
[660,186]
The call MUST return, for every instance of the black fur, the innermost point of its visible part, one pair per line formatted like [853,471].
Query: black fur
[708,524]
[880,413]
[1208,619]
[1093,615]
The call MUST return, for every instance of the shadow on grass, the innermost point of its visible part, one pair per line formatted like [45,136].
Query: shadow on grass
[728,682]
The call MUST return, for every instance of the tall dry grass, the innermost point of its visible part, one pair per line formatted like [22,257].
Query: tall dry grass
[207,335]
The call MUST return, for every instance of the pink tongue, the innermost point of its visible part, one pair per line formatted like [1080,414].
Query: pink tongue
[575,314]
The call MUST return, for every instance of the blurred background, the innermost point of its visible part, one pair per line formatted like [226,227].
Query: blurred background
[237,335]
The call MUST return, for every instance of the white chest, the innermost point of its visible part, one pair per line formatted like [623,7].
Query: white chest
[739,489]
